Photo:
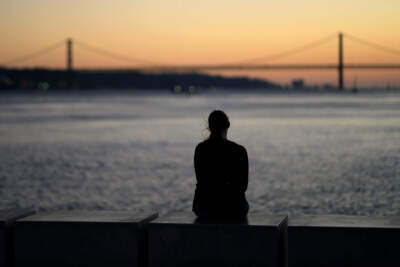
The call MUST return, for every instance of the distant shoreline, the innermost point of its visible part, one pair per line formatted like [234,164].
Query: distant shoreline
[40,80]
[45,79]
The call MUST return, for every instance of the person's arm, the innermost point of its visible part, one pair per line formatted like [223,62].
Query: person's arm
[243,171]
[197,163]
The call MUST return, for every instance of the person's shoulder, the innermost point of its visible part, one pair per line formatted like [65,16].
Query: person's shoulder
[236,146]
[201,145]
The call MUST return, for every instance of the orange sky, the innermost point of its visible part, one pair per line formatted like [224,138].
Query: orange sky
[196,32]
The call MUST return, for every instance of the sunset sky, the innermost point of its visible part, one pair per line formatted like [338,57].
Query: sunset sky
[196,32]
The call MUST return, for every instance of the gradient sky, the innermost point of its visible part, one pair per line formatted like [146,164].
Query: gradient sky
[196,32]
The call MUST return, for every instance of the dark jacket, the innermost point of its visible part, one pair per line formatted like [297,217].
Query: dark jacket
[222,171]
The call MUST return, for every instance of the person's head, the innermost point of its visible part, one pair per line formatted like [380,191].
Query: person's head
[218,123]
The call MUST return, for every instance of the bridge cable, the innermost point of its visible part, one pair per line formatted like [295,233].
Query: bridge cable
[374,45]
[288,52]
[34,54]
[113,55]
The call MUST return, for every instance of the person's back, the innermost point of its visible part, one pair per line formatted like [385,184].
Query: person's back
[221,168]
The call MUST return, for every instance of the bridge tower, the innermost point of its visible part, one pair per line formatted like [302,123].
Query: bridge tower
[69,63]
[340,65]
[69,54]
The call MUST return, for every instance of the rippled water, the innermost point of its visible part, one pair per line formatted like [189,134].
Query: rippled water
[309,153]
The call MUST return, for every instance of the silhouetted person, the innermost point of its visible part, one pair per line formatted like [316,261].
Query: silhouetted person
[222,170]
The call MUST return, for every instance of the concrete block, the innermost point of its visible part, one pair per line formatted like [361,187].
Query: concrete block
[339,240]
[180,240]
[7,219]
[82,238]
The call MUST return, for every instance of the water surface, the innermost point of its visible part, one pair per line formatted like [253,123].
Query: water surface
[313,153]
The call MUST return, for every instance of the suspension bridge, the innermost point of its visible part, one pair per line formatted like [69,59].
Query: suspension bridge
[248,64]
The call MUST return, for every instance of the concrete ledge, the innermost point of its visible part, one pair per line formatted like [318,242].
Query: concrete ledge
[338,240]
[81,238]
[179,240]
[7,219]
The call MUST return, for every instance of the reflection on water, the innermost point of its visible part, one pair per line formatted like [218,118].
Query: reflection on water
[309,153]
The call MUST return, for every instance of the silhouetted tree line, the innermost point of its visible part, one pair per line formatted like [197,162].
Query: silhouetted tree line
[120,79]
